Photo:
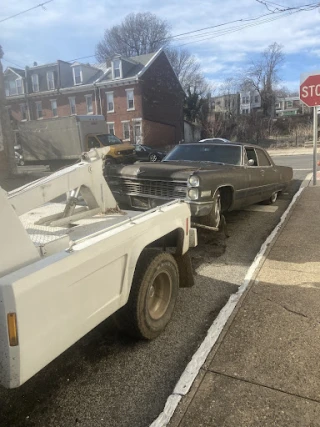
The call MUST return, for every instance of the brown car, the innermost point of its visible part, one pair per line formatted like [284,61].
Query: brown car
[212,177]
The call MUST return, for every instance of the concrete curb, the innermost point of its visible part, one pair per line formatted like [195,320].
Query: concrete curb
[199,358]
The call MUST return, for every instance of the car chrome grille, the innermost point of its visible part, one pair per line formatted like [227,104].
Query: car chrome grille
[167,189]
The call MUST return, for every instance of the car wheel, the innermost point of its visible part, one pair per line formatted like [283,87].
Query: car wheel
[152,297]
[110,161]
[214,217]
[153,157]
[271,199]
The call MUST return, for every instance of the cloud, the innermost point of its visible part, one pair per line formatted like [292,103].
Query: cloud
[69,30]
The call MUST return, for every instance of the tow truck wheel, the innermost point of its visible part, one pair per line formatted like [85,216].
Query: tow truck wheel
[153,295]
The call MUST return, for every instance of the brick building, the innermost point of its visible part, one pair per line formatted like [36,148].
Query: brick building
[140,97]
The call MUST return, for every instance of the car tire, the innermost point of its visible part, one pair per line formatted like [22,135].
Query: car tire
[153,157]
[214,217]
[152,297]
[271,199]
[110,161]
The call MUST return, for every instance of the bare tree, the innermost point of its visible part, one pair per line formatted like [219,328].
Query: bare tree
[187,69]
[138,34]
[263,76]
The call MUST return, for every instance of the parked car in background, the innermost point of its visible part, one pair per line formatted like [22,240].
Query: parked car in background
[148,154]
[213,177]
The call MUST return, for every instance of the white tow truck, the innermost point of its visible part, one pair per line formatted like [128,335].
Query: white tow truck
[66,267]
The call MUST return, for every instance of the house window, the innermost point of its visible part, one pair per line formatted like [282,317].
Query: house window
[126,130]
[50,80]
[14,87]
[35,82]
[245,111]
[23,111]
[116,65]
[54,107]
[130,99]
[19,86]
[110,126]
[289,104]
[256,99]
[110,102]
[77,75]
[245,100]
[72,103]
[39,109]
[278,106]
[89,104]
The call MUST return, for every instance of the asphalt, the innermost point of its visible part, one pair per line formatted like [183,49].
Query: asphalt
[109,380]
[265,370]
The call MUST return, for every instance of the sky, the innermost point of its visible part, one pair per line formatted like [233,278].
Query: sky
[69,29]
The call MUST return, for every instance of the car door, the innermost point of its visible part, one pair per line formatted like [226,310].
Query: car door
[254,193]
[269,174]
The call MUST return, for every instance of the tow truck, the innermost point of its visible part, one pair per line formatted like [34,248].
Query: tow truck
[68,263]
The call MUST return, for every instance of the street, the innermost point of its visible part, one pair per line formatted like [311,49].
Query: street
[107,379]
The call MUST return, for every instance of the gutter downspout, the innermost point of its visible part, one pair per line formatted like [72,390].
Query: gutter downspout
[27,92]
[100,100]
[95,97]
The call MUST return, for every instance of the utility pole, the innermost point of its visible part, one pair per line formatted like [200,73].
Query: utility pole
[7,161]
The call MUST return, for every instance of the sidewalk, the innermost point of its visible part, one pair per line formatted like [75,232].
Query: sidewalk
[290,151]
[265,369]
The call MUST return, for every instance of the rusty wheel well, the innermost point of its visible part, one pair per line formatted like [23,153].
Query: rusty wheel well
[226,194]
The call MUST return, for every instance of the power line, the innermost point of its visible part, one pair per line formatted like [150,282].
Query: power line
[27,10]
[185,35]
[13,63]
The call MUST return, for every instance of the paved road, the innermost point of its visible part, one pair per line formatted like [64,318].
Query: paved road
[109,380]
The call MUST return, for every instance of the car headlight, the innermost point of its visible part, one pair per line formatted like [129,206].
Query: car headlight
[193,194]
[119,153]
[194,181]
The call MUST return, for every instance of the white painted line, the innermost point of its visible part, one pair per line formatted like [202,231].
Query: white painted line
[308,170]
[260,208]
[190,373]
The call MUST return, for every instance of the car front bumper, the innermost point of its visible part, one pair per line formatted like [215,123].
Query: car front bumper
[197,208]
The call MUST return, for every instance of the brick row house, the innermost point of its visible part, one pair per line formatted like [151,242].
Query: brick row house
[140,97]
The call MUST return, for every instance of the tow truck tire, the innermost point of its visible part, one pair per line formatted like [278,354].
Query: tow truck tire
[153,296]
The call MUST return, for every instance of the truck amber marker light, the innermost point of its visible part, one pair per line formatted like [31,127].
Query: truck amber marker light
[187,226]
[12,329]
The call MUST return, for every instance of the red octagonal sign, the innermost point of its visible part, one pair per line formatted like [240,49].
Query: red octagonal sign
[310,91]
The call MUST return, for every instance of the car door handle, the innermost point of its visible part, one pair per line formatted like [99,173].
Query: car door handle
[262,172]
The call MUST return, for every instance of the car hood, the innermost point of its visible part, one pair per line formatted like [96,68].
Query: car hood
[165,170]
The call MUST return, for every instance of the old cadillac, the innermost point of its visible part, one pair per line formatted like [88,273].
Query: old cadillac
[214,177]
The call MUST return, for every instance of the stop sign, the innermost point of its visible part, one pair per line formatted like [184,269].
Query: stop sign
[310,91]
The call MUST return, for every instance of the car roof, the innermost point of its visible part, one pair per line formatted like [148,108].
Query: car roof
[227,142]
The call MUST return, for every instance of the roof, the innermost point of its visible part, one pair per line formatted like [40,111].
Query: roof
[18,71]
[136,65]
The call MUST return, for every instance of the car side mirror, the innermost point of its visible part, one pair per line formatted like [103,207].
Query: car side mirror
[251,162]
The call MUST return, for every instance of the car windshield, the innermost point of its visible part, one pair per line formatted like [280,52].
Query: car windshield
[227,154]
[108,139]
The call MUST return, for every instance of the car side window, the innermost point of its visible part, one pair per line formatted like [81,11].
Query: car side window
[262,158]
[251,154]
[92,142]
[138,148]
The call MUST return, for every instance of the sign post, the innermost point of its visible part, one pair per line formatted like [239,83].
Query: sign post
[310,95]
[315,140]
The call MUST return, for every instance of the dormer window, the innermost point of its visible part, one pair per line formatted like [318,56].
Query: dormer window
[14,87]
[116,69]
[77,75]
[35,82]
[50,80]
